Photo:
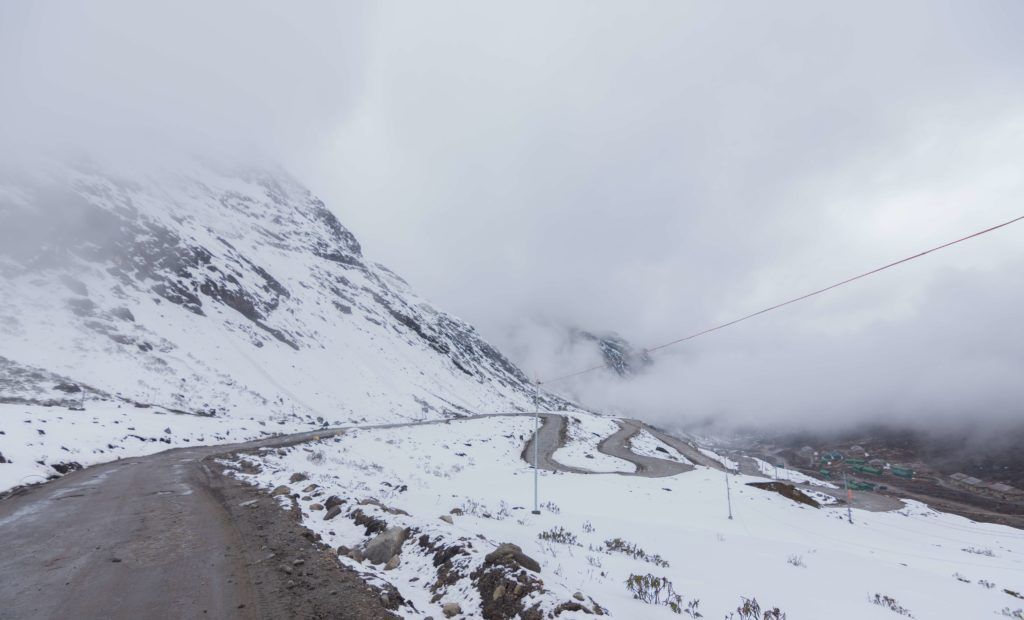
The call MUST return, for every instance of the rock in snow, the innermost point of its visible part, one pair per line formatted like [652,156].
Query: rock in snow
[386,545]
[508,550]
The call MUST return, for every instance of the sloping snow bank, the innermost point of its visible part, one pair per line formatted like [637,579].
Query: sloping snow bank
[809,562]
[583,435]
[646,444]
[35,438]
[789,475]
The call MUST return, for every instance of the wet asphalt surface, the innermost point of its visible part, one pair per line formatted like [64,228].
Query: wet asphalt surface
[142,537]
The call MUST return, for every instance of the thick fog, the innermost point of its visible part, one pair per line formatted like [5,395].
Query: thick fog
[649,169]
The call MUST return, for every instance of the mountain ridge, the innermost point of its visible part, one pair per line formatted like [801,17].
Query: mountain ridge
[175,287]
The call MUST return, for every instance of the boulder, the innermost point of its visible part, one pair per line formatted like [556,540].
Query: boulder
[513,552]
[333,501]
[447,519]
[310,488]
[297,477]
[388,509]
[333,512]
[393,563]
[281,490]
[450,610]
[314,507]
[65,468]
[386,544]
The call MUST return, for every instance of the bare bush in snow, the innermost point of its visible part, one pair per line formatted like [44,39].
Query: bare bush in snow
[891,604]
[551,507]
[627,548]
[559,535]
[977,551]
[659,591]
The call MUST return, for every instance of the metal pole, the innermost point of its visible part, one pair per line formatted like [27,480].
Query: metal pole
[728,495]
[536,444]
[849,499]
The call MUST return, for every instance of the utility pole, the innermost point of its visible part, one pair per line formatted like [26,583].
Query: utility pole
[849,499]
[728,495]
[536,443]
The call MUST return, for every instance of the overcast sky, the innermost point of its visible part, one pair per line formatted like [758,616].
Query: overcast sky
[647,168]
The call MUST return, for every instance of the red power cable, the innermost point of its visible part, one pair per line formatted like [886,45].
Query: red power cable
[796,299]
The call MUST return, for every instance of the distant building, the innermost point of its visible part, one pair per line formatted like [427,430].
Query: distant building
[857,451]
[1001,490]
[967,483]
[997,490]
[806,454]
[902,471]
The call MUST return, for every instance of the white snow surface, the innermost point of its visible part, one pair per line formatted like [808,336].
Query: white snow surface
[646,444]
[724,460]
[35,438]
[583,434]
[911,555]
[790,475]
[235,291]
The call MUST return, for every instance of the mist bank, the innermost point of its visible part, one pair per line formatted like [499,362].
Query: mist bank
[952,358]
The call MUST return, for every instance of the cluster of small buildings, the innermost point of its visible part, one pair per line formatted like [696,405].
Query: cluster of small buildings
[997,490]
[856,459]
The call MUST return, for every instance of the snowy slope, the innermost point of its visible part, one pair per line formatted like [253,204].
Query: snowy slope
[810,563]
[229,292]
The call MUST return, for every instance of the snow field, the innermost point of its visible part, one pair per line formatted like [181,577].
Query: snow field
[583,434]
[646,444]
[108,431]
[810,563]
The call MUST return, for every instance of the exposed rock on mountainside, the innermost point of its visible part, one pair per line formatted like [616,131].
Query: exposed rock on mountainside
[226,292]
[617,352]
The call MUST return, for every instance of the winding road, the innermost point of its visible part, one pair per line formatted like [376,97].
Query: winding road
[168,536]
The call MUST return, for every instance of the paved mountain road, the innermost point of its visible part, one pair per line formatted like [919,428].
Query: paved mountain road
[162,536]
[168,536]
[146,537]
[617,445]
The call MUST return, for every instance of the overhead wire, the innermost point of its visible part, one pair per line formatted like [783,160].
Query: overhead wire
[795,299]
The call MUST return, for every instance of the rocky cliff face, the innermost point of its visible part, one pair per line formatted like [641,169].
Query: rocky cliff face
[221,292]
[618,354]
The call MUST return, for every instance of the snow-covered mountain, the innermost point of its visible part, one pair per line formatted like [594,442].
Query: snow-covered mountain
[224,292]
[618,354]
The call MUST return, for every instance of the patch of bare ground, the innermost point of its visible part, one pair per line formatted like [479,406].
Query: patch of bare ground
[788,491]
[293,574]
